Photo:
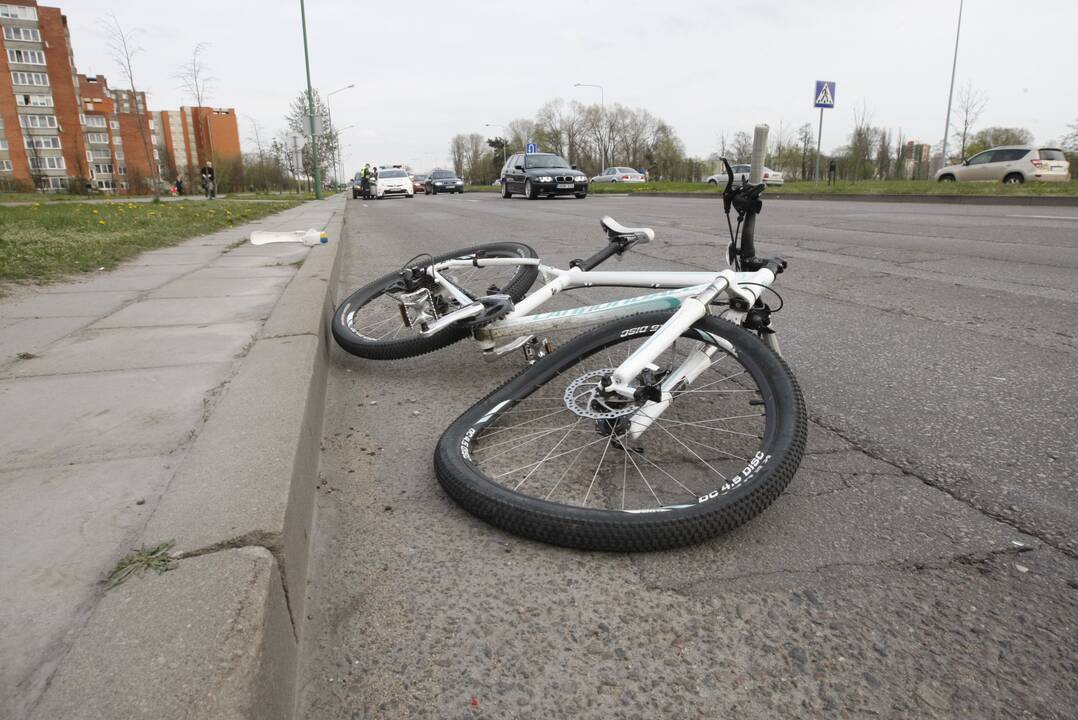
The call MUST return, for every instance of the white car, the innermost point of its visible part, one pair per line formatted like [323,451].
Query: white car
[742,172]
[1010,164]
[393,181]
[619,174]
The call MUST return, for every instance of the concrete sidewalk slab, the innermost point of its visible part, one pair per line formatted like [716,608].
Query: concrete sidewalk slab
[61,419]
[92,351]
[190,311]
[33,336]
[127,278]
[190,286]
[65,523]
[68,304]
[216,271]
[144,652]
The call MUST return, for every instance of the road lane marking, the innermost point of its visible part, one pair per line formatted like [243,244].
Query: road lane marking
[469,200]
[1045,217]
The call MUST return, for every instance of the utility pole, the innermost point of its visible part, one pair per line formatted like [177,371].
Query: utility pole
[950,94]
[310,106]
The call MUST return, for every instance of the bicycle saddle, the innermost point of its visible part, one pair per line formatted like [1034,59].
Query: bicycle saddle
[615,229]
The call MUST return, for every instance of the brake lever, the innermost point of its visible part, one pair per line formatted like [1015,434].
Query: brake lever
[728,191]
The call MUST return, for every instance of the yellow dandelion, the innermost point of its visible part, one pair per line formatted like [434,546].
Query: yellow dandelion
[100,222]
[94,211]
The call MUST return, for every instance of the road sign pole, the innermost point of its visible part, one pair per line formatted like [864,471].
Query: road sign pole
[310,106]
[819,140]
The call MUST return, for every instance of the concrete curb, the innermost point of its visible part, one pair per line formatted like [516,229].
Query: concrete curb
[218,637]
[1027,200]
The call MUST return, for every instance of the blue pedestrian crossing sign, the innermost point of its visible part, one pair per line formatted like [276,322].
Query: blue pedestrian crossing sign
[532,148]
[825,94]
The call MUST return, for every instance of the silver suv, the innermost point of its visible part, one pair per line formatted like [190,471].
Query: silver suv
[1010,164]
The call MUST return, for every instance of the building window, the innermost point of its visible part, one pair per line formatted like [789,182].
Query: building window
[29,78]
[99,154]
[106,185]
[26,57]
[97,138]
[18,12]
[24,34]
[94,121]
[5,166]
[104,168]
[3,143]
[37,121]
[121,170]
[114,124]
[47,163]
[42,142]
[34,100]
[54,183]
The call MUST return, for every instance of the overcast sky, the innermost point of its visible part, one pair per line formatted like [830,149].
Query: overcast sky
[425,71]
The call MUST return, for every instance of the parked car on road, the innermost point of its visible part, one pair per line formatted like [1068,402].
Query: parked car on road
[619,174]
[417,182]
[741,174]
[392,181]
[442,181]
[535,174]
[1010,164]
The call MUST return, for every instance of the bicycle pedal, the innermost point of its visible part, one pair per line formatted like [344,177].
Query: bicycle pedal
[537,348]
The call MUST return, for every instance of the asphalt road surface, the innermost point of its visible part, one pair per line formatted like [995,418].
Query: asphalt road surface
[923,562]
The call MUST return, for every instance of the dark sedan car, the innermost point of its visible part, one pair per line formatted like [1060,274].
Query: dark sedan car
[442,181]
[535,174]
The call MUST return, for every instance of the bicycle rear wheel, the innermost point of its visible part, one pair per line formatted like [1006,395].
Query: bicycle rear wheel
[545,457]
[368,322]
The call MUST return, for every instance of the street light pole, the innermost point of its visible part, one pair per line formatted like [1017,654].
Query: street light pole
[340,145]
[602,104]
[329,112]
[950,94]
[310,105]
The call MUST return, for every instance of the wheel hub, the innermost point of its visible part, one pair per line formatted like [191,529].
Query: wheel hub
[584,397]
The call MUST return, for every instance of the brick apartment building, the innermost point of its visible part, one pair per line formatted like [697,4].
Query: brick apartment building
[58,126]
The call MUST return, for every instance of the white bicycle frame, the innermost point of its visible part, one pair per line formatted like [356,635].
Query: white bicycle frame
[689,292]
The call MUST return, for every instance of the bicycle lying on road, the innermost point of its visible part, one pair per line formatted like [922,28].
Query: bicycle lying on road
[674,421]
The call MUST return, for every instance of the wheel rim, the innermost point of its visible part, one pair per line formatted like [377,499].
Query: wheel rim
[564,445]
[379,319]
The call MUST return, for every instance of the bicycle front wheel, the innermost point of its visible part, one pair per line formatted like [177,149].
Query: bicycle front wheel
[547,457]
[368,322]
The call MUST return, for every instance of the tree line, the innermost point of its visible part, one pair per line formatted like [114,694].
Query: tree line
[586,135]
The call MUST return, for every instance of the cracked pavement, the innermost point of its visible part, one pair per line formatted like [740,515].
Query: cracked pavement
[922,563]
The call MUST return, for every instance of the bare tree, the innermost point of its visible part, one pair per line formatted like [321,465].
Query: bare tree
[971,104]
[883,154]
[1070,140]
[742,147]
[458,151]
[124,49]
[475,154]
[193,76]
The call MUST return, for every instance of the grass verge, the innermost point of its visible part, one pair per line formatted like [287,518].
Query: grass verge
[43,242]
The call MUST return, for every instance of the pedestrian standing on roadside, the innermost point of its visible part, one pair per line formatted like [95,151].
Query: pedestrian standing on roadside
[832,169]
[179,185]
[209,182]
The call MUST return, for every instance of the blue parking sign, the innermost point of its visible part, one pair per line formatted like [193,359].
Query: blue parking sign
[532,148]
[825,94]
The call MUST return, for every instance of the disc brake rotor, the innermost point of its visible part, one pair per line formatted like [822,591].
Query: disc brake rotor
[584,398]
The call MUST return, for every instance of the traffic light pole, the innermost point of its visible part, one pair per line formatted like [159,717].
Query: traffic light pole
[310,107]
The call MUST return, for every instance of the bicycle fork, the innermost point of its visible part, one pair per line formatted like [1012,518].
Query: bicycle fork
[692,310]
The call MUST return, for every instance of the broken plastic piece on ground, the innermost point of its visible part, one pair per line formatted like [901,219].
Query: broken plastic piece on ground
[307,237]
